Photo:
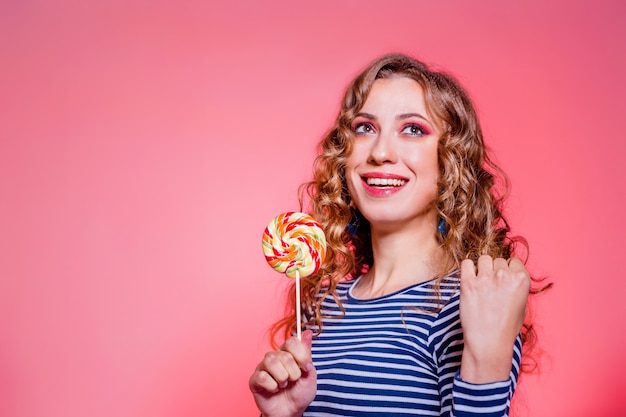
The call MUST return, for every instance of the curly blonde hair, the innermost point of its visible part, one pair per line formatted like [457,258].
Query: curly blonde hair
[469,201]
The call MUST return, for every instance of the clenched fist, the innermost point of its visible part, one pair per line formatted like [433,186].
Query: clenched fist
[285,382]
[493,301]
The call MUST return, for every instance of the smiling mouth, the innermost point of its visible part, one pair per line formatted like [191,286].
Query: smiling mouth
[384,182]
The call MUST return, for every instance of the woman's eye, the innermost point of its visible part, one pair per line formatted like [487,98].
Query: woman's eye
[363,129]
[413,130]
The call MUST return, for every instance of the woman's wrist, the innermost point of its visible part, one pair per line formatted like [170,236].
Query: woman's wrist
[479,369]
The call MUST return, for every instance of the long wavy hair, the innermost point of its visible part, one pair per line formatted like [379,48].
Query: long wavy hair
[471,192]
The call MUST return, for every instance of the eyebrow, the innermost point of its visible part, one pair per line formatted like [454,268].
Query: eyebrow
[365,116]
[399,117]
[409,115]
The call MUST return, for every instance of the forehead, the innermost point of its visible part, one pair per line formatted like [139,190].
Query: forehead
[396,93]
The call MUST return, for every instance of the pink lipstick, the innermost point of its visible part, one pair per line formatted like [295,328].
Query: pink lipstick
[381,184]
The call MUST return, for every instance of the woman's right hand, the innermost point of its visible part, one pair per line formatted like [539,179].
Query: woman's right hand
[285,381]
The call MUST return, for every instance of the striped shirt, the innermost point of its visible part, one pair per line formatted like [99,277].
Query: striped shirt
[399,355]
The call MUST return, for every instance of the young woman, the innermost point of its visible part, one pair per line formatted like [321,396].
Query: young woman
[420,304]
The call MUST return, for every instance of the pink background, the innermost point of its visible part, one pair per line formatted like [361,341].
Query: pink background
[145,145]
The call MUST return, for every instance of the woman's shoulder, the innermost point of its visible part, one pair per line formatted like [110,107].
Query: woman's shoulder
[450,284]
[443,287]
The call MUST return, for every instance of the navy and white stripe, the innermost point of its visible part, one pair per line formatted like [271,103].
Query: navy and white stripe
[399,355]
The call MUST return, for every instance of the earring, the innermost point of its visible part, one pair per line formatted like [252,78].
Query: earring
[353,223]
[442,228]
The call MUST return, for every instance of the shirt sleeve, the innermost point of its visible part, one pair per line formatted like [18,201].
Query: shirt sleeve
[492,399]
[460,398]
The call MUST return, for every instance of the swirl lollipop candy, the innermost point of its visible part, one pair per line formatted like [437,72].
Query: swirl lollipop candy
[294,244]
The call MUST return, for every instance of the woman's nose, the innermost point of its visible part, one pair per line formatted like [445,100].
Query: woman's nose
[383,150]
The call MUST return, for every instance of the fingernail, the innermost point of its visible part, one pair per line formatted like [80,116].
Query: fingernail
[309,367]
[284,384]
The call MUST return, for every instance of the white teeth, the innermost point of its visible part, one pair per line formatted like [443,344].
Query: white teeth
[385,182]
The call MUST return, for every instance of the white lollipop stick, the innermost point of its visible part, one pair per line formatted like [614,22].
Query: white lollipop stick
[298,318]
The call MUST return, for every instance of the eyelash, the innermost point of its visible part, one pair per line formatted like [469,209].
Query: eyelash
[420,130]
[359,129]
[362,125]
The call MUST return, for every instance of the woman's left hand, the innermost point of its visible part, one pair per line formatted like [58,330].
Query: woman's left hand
[492,308]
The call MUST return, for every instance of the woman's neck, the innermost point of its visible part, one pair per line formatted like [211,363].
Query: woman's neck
[402,257]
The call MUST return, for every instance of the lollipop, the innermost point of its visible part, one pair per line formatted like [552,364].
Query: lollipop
[294,243]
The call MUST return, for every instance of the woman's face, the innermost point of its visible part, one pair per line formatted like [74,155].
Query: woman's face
[392,170]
